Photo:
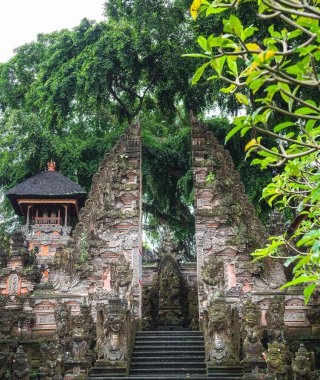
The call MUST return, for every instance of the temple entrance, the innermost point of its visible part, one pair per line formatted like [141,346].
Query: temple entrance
[169,294]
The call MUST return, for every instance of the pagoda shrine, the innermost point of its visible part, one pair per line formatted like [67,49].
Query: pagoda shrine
[49,203]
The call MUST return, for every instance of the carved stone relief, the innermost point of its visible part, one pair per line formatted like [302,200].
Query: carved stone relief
[221,338]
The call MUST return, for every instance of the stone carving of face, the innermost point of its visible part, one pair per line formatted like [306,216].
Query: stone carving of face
[115,324]
[217,317]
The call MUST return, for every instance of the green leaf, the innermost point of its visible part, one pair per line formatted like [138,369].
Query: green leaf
[233,65]
[309,237]
[309,125]
[305,111]
[242,98]
[203,43]
[300,280]
[233,25]
[233,132]
[285,87]
[229,89]
[274,33]
[198,74]
[218,64]
[248,32]
[308,292]
[214,10]
[244,131]
[294,34]
[281,126]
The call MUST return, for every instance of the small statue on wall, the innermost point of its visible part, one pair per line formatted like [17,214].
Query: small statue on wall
[212,276]
[251,334]
[275,319]
[170,292]
[193,308]
[62,316]
[149,298]
[7,321]
[221,339]
[82,335]
[20,366]
[122,275]
[51,358]
[277,361]
[112,332]
[78,341]
[302,365]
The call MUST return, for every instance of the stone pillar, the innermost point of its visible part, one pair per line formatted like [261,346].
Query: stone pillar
[227,230]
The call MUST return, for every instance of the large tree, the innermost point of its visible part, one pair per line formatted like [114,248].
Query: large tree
[69,95]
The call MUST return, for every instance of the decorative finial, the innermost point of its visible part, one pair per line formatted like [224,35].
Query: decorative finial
[51,166]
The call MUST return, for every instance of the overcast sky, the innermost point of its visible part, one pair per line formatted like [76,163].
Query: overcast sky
[22,20]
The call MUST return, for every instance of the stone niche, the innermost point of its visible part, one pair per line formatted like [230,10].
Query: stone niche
[170,294]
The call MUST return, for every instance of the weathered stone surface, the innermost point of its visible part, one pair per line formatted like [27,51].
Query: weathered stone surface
[170,292]
[275,319]
[103,253]
[251,334]
[277,361]
[227,229]
[221,333]
[20,366]
[302,365]
[112,332]
[52,356]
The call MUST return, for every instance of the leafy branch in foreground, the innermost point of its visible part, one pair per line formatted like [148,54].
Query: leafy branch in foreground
[278,83]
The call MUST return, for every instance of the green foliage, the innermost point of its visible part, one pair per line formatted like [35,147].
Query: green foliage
[276,80]
[210,178]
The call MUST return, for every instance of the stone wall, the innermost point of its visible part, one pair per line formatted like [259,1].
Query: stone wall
[228,231]
[102,255]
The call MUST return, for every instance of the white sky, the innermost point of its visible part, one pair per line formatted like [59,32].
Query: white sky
[22,20]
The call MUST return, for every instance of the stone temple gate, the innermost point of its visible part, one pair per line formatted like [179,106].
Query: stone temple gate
[81,310]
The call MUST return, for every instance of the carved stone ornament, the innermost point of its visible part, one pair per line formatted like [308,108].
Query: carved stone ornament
[123,277]
[222,341]
[7,322]
[62,316]
[13,284]
[112,332]
[275,319]
[213,273]
[20,366]
[82,335]
[51,358]
[302,365]
[251,333]
[170,295]
[277,361]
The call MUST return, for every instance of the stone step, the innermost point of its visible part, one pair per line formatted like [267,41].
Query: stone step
[190,352]
[169,339]
[167,364]
[226,373]
[167,371]
[171,350]
[168,342]
[148,377]
[169,333]
[167,358]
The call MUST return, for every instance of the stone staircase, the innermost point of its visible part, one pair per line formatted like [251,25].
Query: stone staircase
[169,355]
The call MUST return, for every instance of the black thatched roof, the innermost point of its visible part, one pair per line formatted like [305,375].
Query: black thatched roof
[47,184]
